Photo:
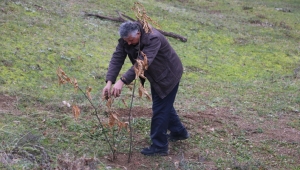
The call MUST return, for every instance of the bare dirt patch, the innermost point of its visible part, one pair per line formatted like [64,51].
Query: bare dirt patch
[220,120]
[8,104]
[137,112]
[259,131]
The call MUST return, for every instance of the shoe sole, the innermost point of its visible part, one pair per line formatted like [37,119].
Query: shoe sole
[175,140]
[156,154]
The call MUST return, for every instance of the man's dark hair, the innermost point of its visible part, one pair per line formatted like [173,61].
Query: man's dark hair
[128,28]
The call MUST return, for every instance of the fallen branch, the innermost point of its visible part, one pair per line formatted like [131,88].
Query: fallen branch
[123,18]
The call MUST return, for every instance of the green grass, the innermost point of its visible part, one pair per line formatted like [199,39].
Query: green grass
[240,61]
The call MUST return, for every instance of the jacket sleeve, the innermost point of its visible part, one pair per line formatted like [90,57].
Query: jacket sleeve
[129,76]
[116,63]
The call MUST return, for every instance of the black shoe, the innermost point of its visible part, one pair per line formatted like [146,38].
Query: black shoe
[153,151]
[174,138]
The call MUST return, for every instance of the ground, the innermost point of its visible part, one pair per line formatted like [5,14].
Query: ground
[218,123]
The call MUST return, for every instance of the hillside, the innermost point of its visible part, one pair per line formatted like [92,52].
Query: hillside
[238,97]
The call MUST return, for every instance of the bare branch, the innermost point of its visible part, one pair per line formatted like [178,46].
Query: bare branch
[121,19]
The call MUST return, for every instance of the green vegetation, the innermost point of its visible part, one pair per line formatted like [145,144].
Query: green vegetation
[239,95]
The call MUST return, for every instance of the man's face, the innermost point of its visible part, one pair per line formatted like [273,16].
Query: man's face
[133,40]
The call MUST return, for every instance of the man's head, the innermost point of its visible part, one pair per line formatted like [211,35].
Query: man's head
[129,31]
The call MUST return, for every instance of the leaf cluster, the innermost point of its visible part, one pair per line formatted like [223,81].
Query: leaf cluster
[142,16]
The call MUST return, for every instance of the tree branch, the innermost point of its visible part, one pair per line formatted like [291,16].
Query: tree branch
[122,17]
[108,18]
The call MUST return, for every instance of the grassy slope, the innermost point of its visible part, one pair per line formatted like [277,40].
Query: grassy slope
[239,54]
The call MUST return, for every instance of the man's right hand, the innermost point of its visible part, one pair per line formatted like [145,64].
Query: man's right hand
[106,90]
[117,88]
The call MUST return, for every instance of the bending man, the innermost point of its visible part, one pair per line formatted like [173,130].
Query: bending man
[164,73]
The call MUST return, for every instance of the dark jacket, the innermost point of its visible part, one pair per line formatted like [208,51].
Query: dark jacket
[165,68]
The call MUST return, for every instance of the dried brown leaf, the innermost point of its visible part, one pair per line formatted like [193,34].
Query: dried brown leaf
[130,87]
[88,92]
[141,89]
[75,84]
[142,75]
[123,125]
[140,67]
[145,62]
[109,102]
[124,102]
[136,70]
[147,95]
[65,77]
[114,116]
[62,72]
[76,111]
[126,126]
[142,16]
[111,121]
[61,81]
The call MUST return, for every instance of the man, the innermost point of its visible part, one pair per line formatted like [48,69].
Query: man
[164,73]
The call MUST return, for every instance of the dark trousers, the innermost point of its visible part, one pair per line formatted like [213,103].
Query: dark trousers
[164,118]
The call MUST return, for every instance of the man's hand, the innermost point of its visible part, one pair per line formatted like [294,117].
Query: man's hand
[117,88]
[106,90]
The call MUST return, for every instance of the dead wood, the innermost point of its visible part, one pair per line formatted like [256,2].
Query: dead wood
[123,18]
